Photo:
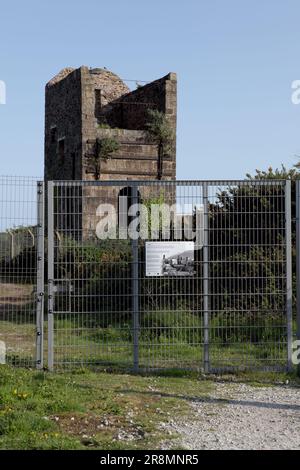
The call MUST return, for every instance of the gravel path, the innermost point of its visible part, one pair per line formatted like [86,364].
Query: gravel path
[238,416]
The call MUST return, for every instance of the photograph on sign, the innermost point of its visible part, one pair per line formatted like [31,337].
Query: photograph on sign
[170,259]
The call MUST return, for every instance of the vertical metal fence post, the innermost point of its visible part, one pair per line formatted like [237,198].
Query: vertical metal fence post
[40,276]
[50,231]
[298,261]
[135,290]
[288,241]
[206,282]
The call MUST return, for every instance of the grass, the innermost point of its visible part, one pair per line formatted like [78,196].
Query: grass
[161,347]
[113,347]
[90,410]
[86,409]
[168,339]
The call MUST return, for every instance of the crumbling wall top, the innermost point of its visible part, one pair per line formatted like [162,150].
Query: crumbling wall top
[111,86]
[60,76]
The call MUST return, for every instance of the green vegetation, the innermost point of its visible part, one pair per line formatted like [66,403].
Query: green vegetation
[156,224]
[103,125]
[168,340]
[104,148]
[85,409]
[159,130]
[107,146]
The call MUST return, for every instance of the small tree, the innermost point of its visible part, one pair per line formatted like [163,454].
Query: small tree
[161,133]
[159,130]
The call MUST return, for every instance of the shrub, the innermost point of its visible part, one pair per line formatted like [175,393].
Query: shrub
[172,325]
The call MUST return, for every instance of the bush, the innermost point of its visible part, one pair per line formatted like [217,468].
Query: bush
[172,325]
[247,327]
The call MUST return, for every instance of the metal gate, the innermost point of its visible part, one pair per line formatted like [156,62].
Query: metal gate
[170,274]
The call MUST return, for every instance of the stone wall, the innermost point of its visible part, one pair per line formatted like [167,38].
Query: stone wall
[130,110]
[63,122]
[137,157]
[155,95]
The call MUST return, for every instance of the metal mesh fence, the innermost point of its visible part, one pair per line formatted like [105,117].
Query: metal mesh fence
[249,275]
[21,242]
[205,284]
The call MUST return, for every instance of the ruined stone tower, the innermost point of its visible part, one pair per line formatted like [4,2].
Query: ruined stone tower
[85,106]
[81,102]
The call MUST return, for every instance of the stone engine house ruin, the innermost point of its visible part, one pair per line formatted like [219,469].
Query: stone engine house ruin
[83,107]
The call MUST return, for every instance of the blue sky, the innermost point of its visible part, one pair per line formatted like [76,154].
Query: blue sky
[235,62]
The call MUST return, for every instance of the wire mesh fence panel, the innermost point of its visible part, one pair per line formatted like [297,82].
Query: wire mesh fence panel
[21,206]
[248,275]
[171,277]
[169,274]
[92,281]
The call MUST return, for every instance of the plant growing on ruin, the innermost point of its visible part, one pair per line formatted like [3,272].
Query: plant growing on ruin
[104,148]
[162,221]
[103,125]
[159,130]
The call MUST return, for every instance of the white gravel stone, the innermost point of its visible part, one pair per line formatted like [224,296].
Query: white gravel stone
[252,418]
